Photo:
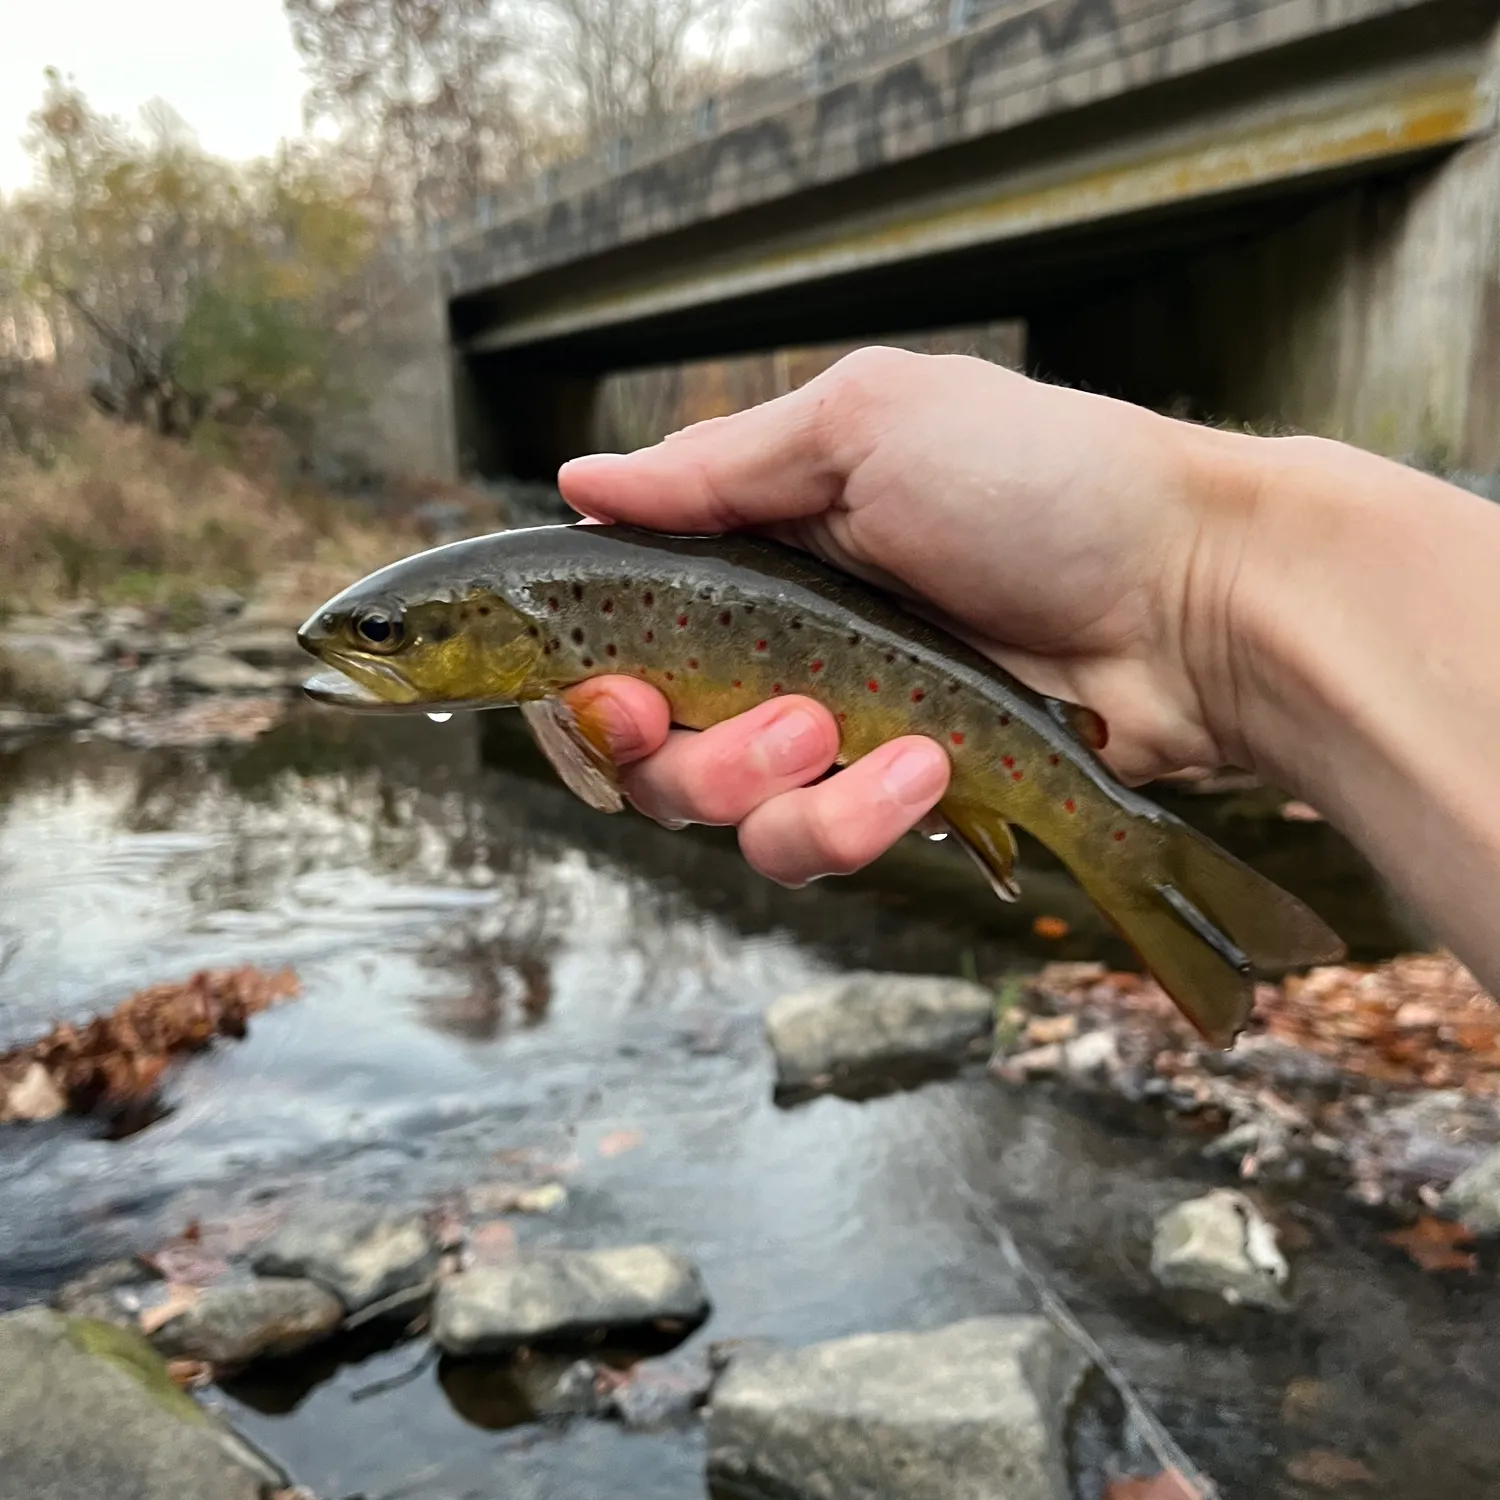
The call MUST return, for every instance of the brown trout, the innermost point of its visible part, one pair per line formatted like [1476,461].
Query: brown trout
[719,624]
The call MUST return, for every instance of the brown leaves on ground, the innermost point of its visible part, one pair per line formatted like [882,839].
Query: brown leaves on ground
[618,1142]
[178,1300]
[1434,1244]
[1323,1469]
[117,1060]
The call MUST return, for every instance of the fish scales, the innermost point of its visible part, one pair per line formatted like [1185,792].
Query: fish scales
[721,624]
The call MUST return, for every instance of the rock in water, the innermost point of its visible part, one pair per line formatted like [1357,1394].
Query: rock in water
[974,1411]
[239,1321]
[861,1022]
[209,672]
[362,1254]
[565,1294]
[88,1412]
[1220,1243]
[1474,1195]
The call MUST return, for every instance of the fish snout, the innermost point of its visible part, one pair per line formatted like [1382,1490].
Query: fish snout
[316,632]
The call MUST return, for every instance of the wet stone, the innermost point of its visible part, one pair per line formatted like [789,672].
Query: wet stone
[210,672]
[240,1321]
[1220,1244]
[859,1023]
[1474,1195]
[973,1411]
[46,673]
[563,1295]
[364,1255]
[88,1412]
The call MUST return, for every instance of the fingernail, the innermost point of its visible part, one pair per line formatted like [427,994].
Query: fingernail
[915,776]
[620,729]
[591,460]
[791,742]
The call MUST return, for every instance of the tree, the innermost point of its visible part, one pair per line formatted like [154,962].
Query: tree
[849,28]
[185,284]
[425,88]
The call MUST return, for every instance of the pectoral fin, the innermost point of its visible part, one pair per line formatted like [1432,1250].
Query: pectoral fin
[987,839]
[578,750]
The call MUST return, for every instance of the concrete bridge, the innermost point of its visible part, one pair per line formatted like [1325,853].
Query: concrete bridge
[1262,210]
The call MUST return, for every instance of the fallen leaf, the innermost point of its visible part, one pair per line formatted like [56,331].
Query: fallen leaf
[618,1142]
[32,1097]
[1051,928]
[1433,1244]
[179,1299]
[493,1241]
[1325,1470]
[186,1263]
[1169,1484]
[190,1374]
[1043,1031]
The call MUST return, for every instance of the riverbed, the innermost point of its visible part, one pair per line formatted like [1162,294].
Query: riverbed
[489,968]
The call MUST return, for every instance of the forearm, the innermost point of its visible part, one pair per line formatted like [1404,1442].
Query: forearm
[1365,668]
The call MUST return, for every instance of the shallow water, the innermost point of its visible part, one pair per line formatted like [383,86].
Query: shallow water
[487,965]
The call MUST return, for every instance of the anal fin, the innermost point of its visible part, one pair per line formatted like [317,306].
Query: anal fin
[987,839]
[578,751]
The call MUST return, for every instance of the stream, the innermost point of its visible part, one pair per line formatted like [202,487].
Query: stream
[487,967]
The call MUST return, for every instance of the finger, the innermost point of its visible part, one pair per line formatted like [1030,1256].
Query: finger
[780,461]
[845,822]
[635,716]
[723,774]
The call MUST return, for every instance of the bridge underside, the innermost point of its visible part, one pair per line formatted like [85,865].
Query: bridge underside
[1307,236]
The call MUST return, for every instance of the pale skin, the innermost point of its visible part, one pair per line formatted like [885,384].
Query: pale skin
[1323,617]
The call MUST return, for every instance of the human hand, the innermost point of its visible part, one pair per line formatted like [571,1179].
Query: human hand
[1088,546]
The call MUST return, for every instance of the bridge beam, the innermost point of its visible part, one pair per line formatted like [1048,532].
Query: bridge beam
[1374,318]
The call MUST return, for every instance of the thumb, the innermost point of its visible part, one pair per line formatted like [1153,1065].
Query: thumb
[773,462]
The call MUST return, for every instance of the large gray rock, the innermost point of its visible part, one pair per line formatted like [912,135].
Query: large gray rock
[1220,1243]
[210,672]
[362,1254]
[45,672]
[1474,1195]
[268,646]
[88,1412]
[861,1022]
[239,1321]
[973,1411]
[547,1295]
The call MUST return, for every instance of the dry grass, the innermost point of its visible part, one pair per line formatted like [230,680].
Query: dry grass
[94,509]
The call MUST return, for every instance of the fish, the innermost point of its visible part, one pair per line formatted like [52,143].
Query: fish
[722,623]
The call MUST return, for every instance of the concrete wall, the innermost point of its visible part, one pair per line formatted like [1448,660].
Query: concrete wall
[1374,318]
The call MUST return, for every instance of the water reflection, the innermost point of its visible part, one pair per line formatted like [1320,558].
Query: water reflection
[487,965]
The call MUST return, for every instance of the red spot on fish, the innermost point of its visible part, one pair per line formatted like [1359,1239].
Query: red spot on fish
[1007,761]
[682,622]
[608,607]
[1018,776]
[873,686]
[1052,760]
[692,664]
[671,676]
[917,695]
[737,683]
[1119,835]
[956,737]
[843,718]
[815,666]
[553,605]
[1070,806]
[760,645]
[609,650]
[725,618]
[650,636]
[775,688]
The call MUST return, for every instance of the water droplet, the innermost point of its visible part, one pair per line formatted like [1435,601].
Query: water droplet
[938,837]
[439,718]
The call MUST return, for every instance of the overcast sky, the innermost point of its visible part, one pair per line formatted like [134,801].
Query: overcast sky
[229,69]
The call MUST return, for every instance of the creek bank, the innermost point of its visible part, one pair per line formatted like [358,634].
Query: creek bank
[1384,1079]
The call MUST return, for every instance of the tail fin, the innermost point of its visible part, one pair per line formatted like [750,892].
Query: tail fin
[1203,922]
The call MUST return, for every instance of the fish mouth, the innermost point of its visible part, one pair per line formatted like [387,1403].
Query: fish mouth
[338,690]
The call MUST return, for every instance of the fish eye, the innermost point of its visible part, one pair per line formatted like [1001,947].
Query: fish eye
[378,628]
